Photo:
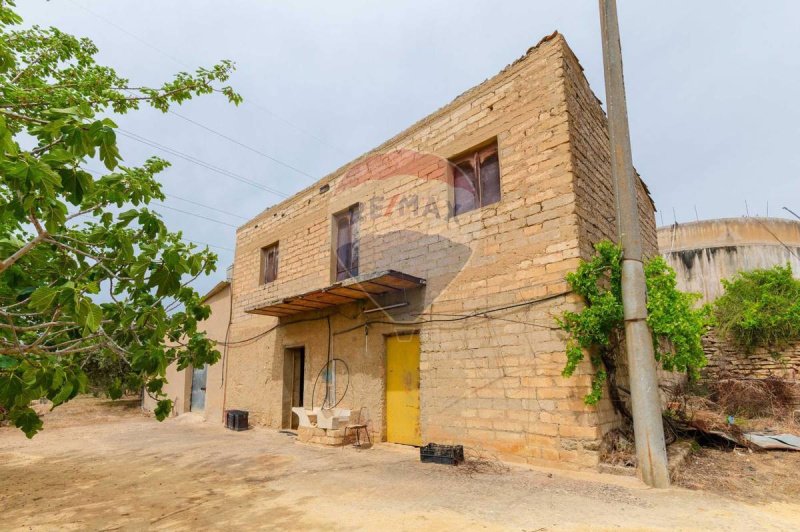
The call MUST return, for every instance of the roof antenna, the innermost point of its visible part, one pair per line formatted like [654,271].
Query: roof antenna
[746,208]
[696,216]
[674,216]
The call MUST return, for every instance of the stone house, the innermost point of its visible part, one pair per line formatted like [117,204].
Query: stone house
[201,390]
[430,270]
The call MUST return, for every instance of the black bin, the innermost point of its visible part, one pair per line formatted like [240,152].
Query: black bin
[236,420]
[442,454]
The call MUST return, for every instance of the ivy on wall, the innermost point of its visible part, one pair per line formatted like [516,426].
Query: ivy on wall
[598,329]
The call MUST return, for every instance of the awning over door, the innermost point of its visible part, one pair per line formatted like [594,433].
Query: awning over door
[347,291]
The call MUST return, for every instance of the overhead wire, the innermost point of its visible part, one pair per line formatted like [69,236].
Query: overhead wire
[162,206]
[243,145]
[199,162]
[198,242]
[209,207]
[180,198]
[182,63]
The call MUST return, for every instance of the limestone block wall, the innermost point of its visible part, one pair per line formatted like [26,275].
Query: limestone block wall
[488,380]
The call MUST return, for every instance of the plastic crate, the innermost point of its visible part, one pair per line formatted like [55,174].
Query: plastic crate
[236,420]
[442,454]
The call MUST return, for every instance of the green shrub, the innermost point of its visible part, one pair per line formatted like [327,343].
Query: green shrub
[760,308]
[598,328]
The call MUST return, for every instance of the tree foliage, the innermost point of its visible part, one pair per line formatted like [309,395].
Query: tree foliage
[760,308]
[90,276]
[598,329]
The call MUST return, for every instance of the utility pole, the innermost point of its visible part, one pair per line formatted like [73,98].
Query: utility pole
[651,452]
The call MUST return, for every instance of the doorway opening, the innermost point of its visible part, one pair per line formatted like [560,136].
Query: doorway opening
[294,378]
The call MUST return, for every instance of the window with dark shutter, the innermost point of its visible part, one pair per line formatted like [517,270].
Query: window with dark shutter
[476,179]
[269,261]
[346,233]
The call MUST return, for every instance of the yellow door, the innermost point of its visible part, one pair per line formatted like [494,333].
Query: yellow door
[402,389]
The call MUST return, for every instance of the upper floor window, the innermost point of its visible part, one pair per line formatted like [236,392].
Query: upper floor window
[476,179]
[346,250]
[269,263]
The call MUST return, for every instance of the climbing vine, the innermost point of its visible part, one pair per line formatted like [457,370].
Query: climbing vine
[598,329]
[760,308]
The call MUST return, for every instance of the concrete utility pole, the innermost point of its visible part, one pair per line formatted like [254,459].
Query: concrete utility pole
[651,452]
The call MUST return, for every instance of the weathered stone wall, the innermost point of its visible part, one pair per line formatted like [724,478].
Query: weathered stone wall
[704,253]
[491,381]
[725,360]
[591,150]
[594,190]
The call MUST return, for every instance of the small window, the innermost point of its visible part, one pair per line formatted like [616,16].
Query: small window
[269,263]
[476,179]
[346,234]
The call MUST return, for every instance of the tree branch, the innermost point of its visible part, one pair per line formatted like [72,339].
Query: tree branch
[21,252]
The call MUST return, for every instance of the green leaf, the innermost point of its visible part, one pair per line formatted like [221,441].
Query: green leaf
[163,409]
[94,317]
[7,362]
[63,394]
[28,421]
[42,298]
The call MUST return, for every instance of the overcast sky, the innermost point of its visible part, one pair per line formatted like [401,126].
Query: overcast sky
[712,90]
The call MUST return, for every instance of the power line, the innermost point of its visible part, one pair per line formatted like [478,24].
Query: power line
[162,206]
[243,145]
[194,160]
[186,65]
[129,34]
[207,244]
[198,242]
[173,196]
[249,101]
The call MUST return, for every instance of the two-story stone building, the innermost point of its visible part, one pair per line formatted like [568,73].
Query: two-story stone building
[432,269]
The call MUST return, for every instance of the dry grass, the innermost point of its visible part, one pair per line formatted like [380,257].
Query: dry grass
[744,475]
[754,398]
[478,461]
[617,448]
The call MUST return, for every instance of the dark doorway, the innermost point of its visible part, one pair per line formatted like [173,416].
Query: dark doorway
[294,377]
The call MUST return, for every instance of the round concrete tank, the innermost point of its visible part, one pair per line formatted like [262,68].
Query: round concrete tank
[703,253]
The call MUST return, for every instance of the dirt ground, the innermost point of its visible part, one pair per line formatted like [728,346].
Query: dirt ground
[101,467]
[744,475]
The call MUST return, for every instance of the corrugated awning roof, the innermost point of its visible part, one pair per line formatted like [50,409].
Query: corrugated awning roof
[347,291]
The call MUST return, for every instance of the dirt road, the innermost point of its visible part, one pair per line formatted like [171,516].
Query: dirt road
[116,469]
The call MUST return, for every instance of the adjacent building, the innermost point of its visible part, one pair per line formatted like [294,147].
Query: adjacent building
[706,252]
